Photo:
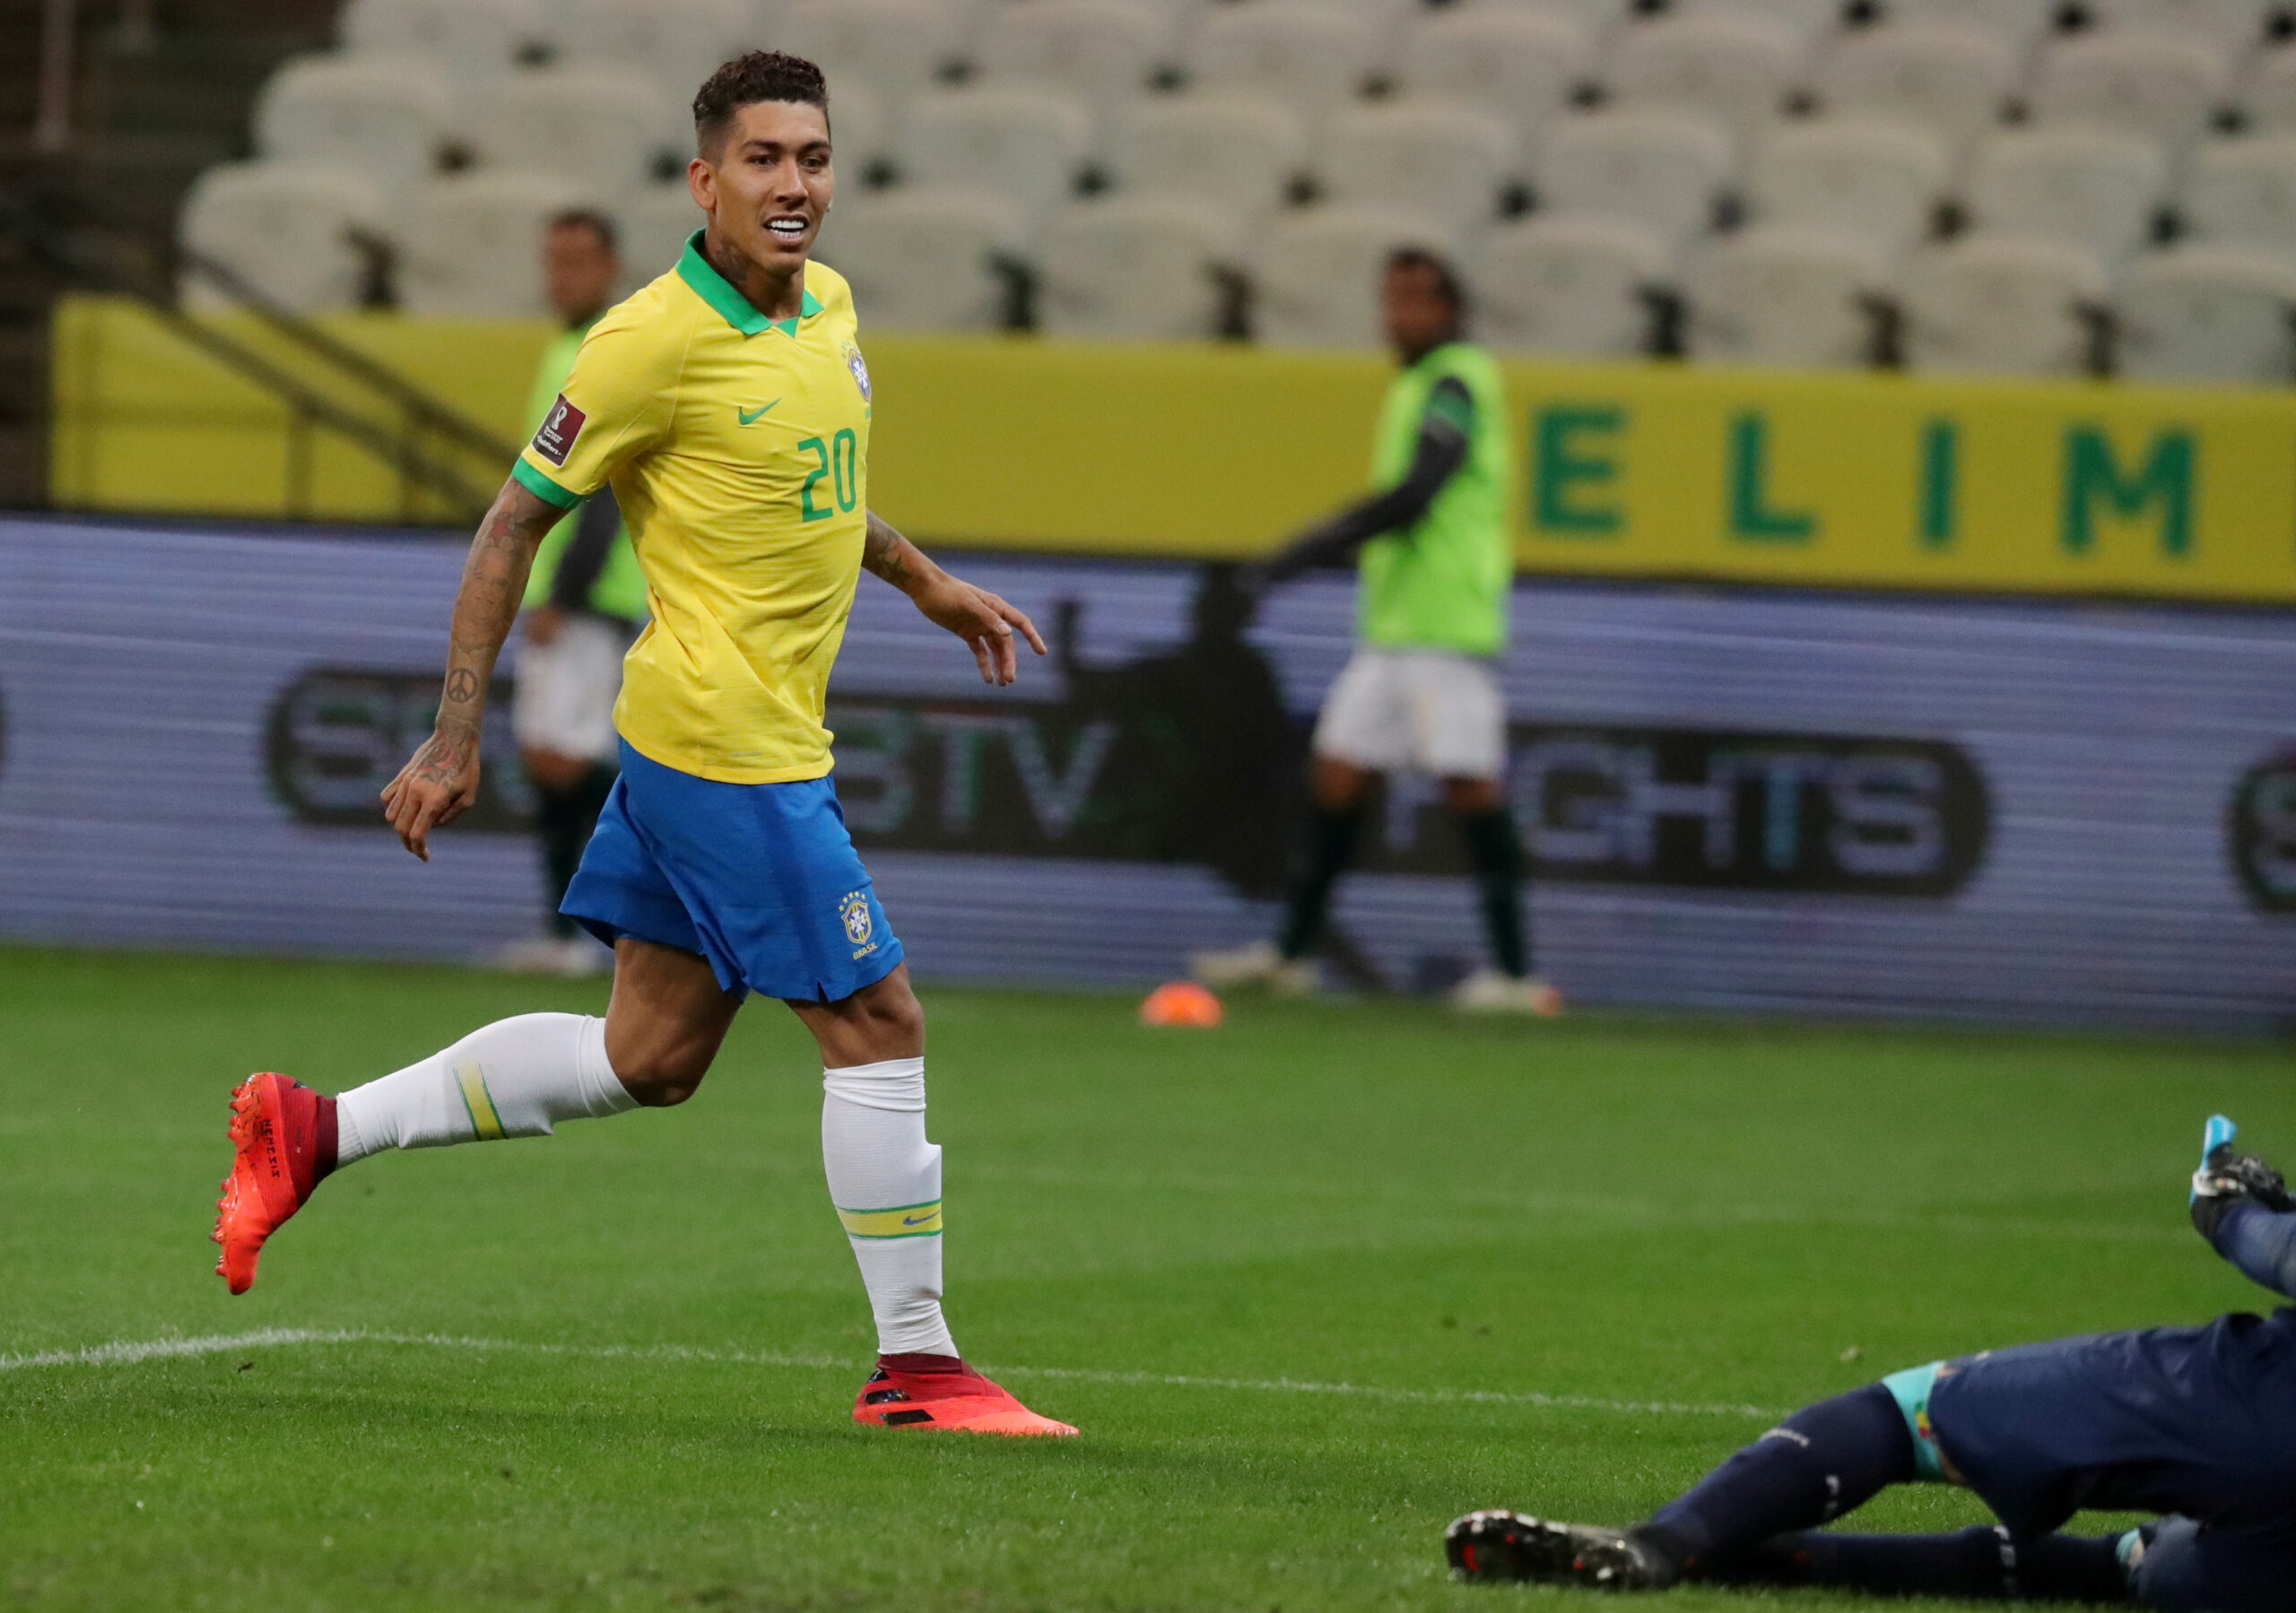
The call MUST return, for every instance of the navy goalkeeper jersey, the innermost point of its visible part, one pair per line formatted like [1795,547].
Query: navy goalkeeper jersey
[2199,1421]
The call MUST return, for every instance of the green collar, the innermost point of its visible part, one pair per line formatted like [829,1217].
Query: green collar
[734,308]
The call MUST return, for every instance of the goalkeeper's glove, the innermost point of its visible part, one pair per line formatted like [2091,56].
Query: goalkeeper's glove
[2226,1178]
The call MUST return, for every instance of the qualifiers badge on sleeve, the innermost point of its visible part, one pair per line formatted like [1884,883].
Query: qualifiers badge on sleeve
[556,440]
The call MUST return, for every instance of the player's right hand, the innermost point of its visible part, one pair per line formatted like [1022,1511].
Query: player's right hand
[2225,1178]
[439,784]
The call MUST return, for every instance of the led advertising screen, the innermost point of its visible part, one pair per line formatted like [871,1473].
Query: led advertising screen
[1732,798]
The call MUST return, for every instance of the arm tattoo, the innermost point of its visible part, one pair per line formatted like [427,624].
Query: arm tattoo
[889,555]
[494,579]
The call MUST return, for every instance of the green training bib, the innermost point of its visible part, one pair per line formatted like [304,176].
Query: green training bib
[1443,583]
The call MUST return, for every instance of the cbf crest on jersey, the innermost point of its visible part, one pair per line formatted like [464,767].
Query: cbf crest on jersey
[859,366]
[854,910]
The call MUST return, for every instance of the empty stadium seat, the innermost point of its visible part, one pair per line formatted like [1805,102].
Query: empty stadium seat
[1132,266]
[1732,65]
[1101,51]
[655,223]
[1877,179]
[470,39]
[1316,273]
[925,258]
[284,228]
[2207,314]
[1554,283]
[1028,143]
[1520,66]
[2242,193]
[1784,295]
[382,116]
[1445,162]
[2016,23]
[1309,57]
[862,132]
[1599,18]
[1384,20]
[1809,18]
[2269,95]
[681,42]
[2226,26]
[1179,15]
[2168,89]
[1235,155]
[1663,171]
[2086,186]
[471,243]
[1951,76]
[895,46]
[2001,304]
[612,127]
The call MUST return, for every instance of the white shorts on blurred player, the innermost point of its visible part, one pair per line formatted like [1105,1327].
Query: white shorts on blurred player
[563,706]
[1435,712]
[567,689]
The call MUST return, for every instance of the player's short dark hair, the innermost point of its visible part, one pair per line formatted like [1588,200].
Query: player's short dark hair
[1447,279]
[746,80]
[591,220]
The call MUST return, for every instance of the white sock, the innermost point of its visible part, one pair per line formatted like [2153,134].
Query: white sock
[885,1181]
[509,1079]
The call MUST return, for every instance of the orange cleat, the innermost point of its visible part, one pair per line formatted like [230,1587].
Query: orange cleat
[283,1140]
[956,1399]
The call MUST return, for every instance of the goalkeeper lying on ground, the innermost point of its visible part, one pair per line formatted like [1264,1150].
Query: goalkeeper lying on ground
[2196,1424]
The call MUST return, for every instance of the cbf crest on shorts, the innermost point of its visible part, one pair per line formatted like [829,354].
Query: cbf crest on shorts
[853,912]
[859,366]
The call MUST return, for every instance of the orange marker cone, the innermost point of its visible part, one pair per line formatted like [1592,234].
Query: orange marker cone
[1181,1002]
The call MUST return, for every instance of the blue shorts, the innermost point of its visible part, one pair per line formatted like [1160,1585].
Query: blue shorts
[760,880]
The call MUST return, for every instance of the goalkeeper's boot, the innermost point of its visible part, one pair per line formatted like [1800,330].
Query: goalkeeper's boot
[905,1393]
[282,1140]
[2225,1178]
[1492,1547]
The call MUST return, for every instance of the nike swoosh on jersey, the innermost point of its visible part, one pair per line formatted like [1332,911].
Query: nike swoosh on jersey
[749,417]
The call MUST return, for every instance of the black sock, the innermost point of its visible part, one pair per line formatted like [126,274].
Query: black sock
[564,820]
[1496,850]
[1329,842]
[1820,1463]
[1981,1561]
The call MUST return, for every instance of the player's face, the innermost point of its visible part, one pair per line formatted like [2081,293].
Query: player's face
[581,270]
[1419,318]
[770,184]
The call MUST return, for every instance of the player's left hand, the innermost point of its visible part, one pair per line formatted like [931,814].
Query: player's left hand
[983,621]
[2225,1178]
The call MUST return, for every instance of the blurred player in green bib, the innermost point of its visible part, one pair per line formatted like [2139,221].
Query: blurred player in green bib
[1420,694]
[584,600]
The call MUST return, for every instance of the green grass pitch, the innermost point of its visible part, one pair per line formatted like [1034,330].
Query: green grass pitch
[1560,1266]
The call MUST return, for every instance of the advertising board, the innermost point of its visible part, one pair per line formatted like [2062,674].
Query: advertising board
[1733,798]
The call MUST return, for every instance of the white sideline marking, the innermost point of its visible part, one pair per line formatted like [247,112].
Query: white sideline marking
[128,1352]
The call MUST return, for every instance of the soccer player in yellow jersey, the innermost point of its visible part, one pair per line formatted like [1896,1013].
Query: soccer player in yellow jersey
[728,405]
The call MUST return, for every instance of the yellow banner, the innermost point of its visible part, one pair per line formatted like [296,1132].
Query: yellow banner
[1629,469]
[1886,480]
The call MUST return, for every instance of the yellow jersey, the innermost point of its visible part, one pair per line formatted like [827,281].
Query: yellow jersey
[738,449]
